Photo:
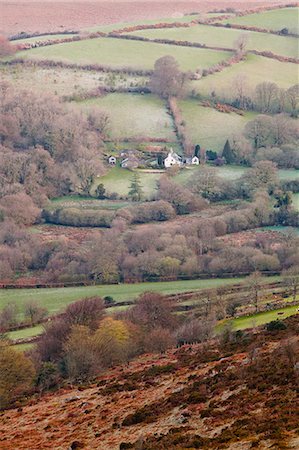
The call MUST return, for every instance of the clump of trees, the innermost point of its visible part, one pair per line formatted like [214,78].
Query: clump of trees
[167,80]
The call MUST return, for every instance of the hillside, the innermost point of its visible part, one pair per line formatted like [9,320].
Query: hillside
[223,394]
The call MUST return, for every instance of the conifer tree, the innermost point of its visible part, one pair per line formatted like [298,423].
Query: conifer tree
[228,153]
[135,191]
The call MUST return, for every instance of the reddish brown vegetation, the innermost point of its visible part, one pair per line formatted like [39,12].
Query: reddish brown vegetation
[240,390]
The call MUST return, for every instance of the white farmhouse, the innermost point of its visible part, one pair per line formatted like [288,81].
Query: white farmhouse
[112,160]
[172,160]
[195,160]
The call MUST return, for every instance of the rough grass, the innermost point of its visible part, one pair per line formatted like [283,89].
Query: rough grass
[56,299]
[224,37]
[272,20]
[134,115]
[62,82]
[125,53]
[254,70]
[211,128]
[296,201]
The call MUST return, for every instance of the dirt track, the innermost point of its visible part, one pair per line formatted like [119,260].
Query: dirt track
[58,15]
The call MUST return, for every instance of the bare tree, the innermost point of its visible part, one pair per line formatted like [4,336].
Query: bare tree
[291,278]
[167,79]
[266,94]
[241,43]
[254,282]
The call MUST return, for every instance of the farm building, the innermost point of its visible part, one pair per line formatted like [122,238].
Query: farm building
[172,159]
[130,163]
[194,160]
[112,160]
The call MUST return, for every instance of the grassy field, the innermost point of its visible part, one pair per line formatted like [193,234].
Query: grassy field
[26,332]
[47,37]
[272,20]
[118,180]
[255,70]
[125,53]
[296,201]
[134,115]
[241,323]
[211,128]
[224,37]
[61,82]
[118,26]
[56,299]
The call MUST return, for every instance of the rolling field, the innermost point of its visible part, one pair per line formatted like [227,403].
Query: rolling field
[134,115]
[124,53]
[224,37]
[62,82]
[255,70]
[56,299]
[272,20]
[211,128]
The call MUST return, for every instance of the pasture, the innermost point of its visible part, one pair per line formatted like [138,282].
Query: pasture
[118,180]
[255,320]
[254,70]
[226,38]
[211,128]
[43,38]
[134,116]
[56,299]
[120,53]
[275,19]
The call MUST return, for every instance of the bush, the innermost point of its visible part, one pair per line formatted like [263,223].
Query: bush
[79,218]
[276,325]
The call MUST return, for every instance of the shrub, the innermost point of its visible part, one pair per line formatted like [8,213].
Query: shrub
[276,325]
[16,374]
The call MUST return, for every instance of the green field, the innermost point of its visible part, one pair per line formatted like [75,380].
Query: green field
[211,128]
[118,180]
[56,299]
[47,37]
[118,26]
[134,116]
[224,37]
[26,332]
[241,323]
[124,53]
[254,70]
[296,201]
[272,20]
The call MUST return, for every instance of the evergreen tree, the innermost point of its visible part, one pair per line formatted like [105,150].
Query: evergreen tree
[100,191]
[135,191]
[197,150]
[228,153]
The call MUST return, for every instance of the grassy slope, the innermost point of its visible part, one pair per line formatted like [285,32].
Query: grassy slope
[211,128]
[26,332]
[47,37]
[55,299]
[256,69]
[124,53]
[241,323]
[118,26]
[273,20]
[209,35]
[133,115]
